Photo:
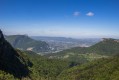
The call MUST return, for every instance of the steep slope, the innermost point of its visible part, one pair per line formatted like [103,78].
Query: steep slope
[12,61]
[102,69]
[24,42]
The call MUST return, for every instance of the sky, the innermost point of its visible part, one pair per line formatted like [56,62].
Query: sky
[61,18]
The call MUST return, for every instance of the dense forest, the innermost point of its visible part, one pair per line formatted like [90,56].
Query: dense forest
[40,68]
[98,62]
[102,69]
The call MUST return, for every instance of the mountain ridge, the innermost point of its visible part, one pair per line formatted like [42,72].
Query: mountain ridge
[24,42]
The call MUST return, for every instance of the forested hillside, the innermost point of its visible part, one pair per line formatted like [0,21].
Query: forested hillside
[108,47]
[102,69]
[105,48]
[47,69]
[77,54]
[20,65]
[59,40]
[93,63]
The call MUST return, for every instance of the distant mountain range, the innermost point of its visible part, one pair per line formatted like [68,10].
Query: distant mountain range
[61,43]
[24,42]
[47,44]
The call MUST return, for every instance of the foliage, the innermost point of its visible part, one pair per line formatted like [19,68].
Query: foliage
[46,69]
[102,69]
[105,48]
[26,65]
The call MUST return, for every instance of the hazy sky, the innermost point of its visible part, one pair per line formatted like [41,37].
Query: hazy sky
[69,18]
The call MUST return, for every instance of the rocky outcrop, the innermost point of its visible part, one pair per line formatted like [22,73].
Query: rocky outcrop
[10,59]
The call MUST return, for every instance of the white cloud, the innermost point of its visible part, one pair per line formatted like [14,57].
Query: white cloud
[76,13]
[90,14]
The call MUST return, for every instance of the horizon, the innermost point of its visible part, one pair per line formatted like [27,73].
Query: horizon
[61,36]
[61,18]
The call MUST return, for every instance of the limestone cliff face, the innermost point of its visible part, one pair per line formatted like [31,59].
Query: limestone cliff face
[10,60]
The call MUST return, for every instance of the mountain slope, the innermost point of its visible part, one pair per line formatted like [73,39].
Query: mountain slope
[102,69]
[46,69]
[74,55]
[106,47]
[12,61]
[24,42]
[20,65]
